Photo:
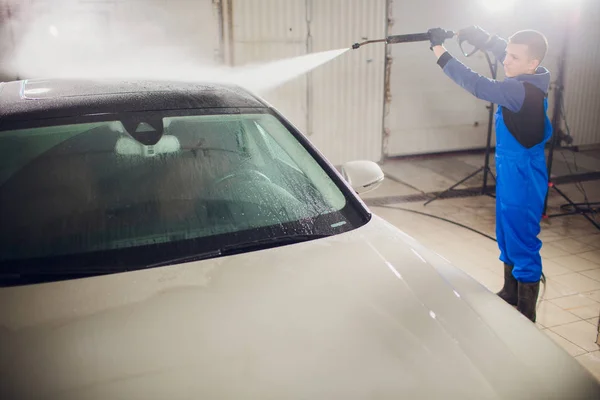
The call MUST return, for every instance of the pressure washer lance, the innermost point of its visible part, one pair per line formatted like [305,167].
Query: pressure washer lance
[411,37]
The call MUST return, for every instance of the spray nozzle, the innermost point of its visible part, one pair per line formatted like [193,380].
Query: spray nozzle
[357,45]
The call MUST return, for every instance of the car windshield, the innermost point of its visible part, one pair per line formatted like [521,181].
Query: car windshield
[133,190]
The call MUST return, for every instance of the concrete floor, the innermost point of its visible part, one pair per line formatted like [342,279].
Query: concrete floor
[569,305]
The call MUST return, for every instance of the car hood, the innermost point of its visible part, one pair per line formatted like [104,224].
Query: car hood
[368,314]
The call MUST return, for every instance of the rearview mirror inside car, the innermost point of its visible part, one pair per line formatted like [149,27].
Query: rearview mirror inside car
[363,176]
[127,146]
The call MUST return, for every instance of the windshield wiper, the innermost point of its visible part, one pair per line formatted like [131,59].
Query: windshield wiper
[11,277]
[270,242]
[238,247]
[185,259]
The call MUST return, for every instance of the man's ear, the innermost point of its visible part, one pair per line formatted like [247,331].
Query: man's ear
[534,64]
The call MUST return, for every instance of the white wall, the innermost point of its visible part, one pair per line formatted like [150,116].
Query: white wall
[582,83]
[7,41]
[103,38]
[188,28]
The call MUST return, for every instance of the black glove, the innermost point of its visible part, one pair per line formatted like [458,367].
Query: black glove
[437,36]
[475,36]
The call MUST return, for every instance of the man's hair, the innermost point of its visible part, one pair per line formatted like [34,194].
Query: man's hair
[536,43]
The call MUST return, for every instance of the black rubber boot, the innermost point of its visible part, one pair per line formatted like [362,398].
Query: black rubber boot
[528,294]
[509,292]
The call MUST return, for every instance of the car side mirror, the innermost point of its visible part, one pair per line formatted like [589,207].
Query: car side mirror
[363,176]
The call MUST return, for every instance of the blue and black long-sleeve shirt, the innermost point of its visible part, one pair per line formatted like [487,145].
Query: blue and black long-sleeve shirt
[521,97]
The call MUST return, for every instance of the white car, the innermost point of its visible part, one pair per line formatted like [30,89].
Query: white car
[184,241]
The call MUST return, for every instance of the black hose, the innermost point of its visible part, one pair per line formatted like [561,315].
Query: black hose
[589,207]
[441,218]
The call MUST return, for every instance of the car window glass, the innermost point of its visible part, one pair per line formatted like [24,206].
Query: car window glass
[274,148]
[80,188]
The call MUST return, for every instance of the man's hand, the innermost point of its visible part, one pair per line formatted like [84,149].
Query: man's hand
[475,36]
[438,51]
[437,36]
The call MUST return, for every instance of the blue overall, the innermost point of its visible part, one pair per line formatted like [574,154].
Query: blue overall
[521,186]
[522,178]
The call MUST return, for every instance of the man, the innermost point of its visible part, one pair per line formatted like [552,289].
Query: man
[522,129]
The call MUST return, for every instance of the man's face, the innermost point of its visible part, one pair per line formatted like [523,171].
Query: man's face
[518,61]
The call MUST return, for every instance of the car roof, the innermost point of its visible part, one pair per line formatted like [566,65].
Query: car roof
[55,98]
